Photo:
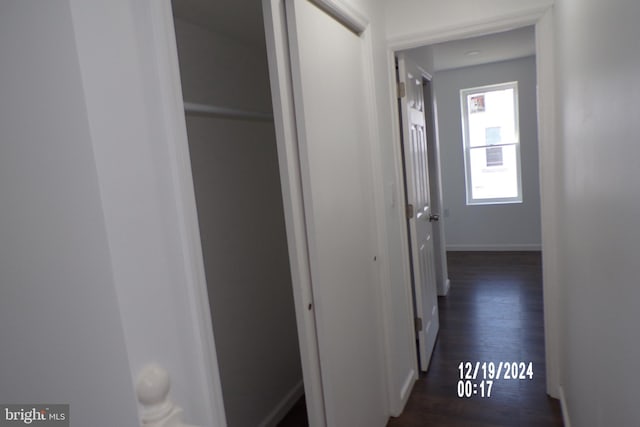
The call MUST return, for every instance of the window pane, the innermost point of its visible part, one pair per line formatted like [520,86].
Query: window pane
[491,117]
[493,172]
[494,156]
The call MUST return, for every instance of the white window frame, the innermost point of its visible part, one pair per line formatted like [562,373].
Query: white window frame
[464,94]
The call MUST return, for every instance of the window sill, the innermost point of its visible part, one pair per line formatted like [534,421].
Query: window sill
[494,202]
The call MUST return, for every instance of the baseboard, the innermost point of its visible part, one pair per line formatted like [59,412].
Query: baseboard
[499,247]
[408,384]
[284,406]
[405,391]
[447,285]
[563,406]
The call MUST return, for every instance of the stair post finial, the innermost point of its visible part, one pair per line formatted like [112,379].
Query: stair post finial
[152,390]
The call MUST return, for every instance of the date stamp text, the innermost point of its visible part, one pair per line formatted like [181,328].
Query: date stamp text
[477,378]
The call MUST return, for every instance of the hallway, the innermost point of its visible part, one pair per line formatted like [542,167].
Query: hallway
[493,313]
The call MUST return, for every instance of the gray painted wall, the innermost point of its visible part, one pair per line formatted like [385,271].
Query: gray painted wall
[241,217]
[486,227]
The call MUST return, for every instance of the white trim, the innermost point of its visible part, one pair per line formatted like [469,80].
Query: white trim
[344,13]
[542,17]
[549,177]
[170,94]
[425,74]
[383,273]
[472,28]
[445,291]
[291,182]
[496,247]
[284,406]
[408,385]
[565,408]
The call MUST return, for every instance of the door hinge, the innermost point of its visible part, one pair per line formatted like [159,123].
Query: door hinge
[418,324]
[402,91]
[409,211]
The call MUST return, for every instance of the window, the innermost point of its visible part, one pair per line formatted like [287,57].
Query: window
[491,144]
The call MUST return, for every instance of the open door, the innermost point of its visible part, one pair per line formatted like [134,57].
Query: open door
[419,214]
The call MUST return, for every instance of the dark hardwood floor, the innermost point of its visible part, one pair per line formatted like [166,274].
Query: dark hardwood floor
[493,313]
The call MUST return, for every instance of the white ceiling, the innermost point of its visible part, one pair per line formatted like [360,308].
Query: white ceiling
[240,19]
[512,44]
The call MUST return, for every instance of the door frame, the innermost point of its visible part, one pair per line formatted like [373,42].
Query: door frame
[291,181]
[542,18]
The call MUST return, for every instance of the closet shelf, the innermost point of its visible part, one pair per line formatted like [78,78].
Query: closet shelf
[229,113]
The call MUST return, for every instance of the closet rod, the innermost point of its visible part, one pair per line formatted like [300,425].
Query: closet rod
[230,113]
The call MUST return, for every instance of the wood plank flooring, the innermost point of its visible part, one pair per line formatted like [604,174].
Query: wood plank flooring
[493,313]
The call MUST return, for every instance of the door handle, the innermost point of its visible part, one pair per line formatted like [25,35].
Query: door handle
[434,217]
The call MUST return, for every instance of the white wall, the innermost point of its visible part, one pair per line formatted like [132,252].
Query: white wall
[236,179]
[598,66]
[62,337]
[396,290]
[505,226]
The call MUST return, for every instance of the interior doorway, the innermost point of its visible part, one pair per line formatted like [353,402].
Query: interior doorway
[489,154]
[446,211]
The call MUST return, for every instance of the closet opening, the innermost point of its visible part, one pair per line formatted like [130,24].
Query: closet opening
[232,145]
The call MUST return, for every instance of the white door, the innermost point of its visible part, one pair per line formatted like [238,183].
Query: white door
[419,209]
[327,65]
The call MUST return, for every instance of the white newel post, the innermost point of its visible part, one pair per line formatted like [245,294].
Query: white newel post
[152,389]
